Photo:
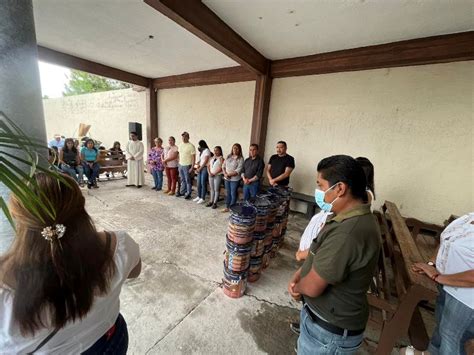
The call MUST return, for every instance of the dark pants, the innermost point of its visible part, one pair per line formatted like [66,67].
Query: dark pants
[251,190]
[202,183]
[231,192]
[117,344]
[91,173]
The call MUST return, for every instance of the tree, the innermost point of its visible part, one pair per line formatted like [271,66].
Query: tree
[82,83]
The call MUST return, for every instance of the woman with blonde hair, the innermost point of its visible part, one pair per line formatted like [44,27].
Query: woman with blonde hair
[60,281]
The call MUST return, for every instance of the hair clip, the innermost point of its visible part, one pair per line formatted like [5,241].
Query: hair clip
[49,232]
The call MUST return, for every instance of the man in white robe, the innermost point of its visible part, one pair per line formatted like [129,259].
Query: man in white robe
[134,154]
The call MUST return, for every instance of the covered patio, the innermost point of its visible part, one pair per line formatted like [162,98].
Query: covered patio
[391,81]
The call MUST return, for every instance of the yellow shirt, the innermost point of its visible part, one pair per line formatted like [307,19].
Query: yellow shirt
[186,152]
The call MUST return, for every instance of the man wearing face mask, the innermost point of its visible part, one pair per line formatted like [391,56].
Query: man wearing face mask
[338,270]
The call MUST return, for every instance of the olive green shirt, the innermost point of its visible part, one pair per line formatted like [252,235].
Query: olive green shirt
[345,255]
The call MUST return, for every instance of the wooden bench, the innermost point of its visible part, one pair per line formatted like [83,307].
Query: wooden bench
[311,206]
[399,290]
[112,162]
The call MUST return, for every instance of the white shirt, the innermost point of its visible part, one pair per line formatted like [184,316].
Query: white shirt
[456,254]
[75,337]
[202,157]
[313,228]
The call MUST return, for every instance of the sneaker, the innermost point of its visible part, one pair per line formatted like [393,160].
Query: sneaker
[214,206]
[171,193]
[178,194]
[89,186]
[158,189]
[196,199]
[166,191]
[187,197]
[200,201]
[209,204]
[295,328]
[153,188]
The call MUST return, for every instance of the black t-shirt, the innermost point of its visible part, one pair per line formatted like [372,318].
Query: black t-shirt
[279,164]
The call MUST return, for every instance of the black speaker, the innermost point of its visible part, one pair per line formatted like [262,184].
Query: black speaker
[135,127]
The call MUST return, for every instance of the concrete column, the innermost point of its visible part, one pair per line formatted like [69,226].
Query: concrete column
[20,90]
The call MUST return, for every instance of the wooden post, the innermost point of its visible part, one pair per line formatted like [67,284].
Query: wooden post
[261,106]
[152,114]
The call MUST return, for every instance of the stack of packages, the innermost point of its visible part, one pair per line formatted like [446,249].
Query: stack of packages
[239,246]
[281,218]
[274,200]
[262,206]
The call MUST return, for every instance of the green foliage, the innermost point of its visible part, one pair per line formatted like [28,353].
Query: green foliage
[18,150]
[83,83]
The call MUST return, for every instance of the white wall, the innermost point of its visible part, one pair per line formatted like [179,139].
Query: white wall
[219,114]
[414,123]
[108,113]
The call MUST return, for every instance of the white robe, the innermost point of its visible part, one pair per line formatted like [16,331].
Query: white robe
[135,168]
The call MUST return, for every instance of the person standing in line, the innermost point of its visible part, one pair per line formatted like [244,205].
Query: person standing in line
[134,154]
[70,161]
[232,168]
[187,158]
[89,156]
[201,170]
[156,164]
[170,161]
[214,169]
[252,172]
[337,273]
[280,166]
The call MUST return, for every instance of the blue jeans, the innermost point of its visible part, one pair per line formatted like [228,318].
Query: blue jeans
[251,190]
[157,178]
[231,192]
[202,183]
[185,178]
[314,339]
[454,325]
[116,344]
[91,173]
[73,171]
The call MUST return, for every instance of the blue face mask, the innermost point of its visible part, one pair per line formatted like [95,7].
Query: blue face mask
[319,198]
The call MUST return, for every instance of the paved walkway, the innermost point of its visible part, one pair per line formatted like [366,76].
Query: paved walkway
[177,306]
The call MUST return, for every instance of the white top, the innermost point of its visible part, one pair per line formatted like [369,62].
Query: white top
[456,254]
[313,228]
[202,156]
[166,153]
[75,337]
[215,164]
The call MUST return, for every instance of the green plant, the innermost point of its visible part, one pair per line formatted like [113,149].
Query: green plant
[19,161]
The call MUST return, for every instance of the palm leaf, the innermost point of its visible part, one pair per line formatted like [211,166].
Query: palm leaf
[19,180]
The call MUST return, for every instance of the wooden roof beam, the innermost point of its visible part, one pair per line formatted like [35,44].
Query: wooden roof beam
[430,50]
[70,61]
[198,19]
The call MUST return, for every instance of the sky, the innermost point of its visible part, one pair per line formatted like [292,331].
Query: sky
[53,78]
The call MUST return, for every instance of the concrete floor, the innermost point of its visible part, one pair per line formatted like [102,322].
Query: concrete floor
[177,306]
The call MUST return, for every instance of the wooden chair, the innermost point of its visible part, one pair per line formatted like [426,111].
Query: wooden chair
[112,162]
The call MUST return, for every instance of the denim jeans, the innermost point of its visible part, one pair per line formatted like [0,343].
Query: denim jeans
[185,178]
[316,340]
[74,171]
[454,325]
[231,192]
[251,190]
[117,344]
[215,184]
[202,183]
[157,178]
[91,173]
